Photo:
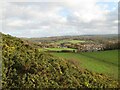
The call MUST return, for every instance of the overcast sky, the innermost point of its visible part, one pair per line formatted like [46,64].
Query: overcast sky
[35,18]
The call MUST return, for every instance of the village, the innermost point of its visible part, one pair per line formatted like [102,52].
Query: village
[79,47]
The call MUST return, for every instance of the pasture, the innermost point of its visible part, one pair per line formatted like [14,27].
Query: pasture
[105,62]
[57,49]
[71,41]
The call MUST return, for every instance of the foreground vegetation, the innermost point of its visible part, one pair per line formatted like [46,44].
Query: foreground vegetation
[105,62]
[23,66]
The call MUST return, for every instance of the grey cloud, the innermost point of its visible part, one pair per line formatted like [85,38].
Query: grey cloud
[51,25]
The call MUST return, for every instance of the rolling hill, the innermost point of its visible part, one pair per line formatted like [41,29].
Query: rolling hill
[23,66]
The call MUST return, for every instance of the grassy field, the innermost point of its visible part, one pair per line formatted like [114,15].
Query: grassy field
[105,62]
[56,49]
[71,41]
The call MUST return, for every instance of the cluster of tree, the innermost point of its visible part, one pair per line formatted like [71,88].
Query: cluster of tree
[111,45]
[25,67]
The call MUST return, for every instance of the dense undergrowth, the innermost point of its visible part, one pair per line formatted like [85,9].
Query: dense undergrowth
[23,66]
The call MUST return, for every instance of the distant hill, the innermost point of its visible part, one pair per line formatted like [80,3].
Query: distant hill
[25,67]
[86,37]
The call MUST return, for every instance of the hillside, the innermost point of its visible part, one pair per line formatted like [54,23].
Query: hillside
[79,37]
[25,67]
[105,62]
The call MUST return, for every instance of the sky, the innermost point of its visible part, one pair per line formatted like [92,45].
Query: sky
[38,18]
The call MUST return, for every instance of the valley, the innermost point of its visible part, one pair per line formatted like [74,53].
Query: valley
[31,64]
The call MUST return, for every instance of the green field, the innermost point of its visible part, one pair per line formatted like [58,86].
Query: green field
[56,49]
[105,62]
[71,41]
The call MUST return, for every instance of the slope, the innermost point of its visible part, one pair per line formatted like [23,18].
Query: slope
[25,67]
